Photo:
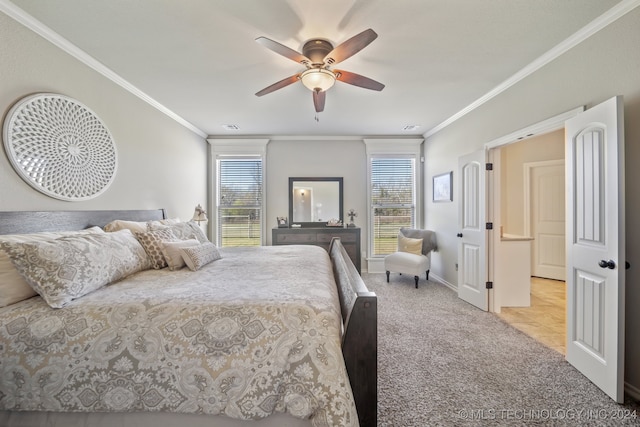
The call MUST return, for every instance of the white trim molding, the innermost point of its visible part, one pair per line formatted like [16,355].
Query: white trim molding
[610,16]
[48,34]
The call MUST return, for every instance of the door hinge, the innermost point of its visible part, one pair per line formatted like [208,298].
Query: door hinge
[489,166]
[489,285]
[489,226]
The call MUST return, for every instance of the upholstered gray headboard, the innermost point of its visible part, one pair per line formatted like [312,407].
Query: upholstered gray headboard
[14,222]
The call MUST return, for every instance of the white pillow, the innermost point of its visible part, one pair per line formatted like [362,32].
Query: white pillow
[13,287]
[198,256]
[171,252]
[67,268]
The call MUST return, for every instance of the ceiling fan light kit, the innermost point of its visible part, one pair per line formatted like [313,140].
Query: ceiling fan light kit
[317,56]
[318,79]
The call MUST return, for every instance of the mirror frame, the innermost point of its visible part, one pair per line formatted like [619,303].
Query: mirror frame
[339,180]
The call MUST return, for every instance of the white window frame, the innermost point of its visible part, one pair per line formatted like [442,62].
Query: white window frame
[235,149]
[392,148]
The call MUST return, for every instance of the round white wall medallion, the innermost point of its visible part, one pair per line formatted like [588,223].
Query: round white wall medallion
[60,147]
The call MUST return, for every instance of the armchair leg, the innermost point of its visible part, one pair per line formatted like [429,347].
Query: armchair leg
[416,277]
[428,274]
[388,276]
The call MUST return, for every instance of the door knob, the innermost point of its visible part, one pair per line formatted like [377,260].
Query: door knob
[459,234]
[607,264]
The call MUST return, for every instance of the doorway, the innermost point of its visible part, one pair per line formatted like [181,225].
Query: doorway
[531,174]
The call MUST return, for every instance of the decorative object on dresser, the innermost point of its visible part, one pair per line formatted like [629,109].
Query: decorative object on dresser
[60,147]
[352,214]
[282,222]
[321,236]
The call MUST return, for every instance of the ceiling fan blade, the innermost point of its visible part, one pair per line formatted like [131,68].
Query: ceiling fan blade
[279,85]
[318,100]
[350,47]
[358,80]
[283,50]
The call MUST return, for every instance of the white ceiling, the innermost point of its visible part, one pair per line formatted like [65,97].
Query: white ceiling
[198,58]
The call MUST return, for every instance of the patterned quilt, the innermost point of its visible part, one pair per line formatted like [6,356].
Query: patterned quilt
[253,333]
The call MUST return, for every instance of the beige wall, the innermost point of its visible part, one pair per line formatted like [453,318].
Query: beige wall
[513,157]
[605,65]
[316,157]
[160,163]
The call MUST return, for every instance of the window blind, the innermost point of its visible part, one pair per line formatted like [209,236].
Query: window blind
[392,200]
[240,189]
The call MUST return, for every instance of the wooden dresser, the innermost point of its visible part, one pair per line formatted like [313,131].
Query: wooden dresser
[321,236]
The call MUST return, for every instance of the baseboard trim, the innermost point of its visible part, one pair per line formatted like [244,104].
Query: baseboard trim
[440,280]
[632,391]
[375,265]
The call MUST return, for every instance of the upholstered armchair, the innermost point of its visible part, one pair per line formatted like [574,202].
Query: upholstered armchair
[414,253]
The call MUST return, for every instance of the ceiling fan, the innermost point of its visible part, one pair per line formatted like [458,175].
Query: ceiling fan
[318,55]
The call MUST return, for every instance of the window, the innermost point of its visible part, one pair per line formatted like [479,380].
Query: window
[393,200]
[239,204]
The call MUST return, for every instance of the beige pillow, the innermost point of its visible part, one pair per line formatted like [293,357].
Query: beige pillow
[13,287]
[152,242]
[197,257]
[171,252]
[407,244]
[67,268]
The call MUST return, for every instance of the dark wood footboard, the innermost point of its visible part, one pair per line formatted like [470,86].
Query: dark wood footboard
[360,338]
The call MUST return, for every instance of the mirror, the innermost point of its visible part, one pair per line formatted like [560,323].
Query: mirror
[314,201]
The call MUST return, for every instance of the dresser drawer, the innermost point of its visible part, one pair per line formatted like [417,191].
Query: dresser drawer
[294,238]
[325,237]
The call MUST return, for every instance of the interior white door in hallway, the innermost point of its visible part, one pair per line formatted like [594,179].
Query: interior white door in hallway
[472,241]
[546,185]
[596,245]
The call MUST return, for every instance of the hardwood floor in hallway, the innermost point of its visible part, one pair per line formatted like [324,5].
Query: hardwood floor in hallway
[545,320]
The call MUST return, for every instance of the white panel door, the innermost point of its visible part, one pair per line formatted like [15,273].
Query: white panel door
[596,245]
[548,220]
[472,248]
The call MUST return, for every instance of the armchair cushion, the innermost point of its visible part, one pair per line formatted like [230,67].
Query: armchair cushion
[407,244]
[429,241]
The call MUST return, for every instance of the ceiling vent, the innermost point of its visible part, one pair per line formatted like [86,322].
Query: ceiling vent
[409,128]
[231,127]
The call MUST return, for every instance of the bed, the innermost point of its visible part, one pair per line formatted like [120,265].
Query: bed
[277,335]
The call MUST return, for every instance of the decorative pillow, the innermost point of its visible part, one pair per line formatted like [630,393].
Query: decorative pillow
[429,239]
[171,252]
[181,230]
[67,268]
[13,287]
[198,256]
[138,226]
[407,244]
[152,243]
[197,231]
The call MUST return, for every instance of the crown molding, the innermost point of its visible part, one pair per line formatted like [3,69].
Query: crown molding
[48,34]
[607,18]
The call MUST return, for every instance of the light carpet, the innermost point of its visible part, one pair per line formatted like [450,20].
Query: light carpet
[443,362]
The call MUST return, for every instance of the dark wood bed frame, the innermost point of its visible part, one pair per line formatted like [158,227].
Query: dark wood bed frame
[358,305]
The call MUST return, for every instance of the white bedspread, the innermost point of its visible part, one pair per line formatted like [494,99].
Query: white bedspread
[254,333]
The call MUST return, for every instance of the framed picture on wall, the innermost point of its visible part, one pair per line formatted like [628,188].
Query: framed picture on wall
[442,190]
